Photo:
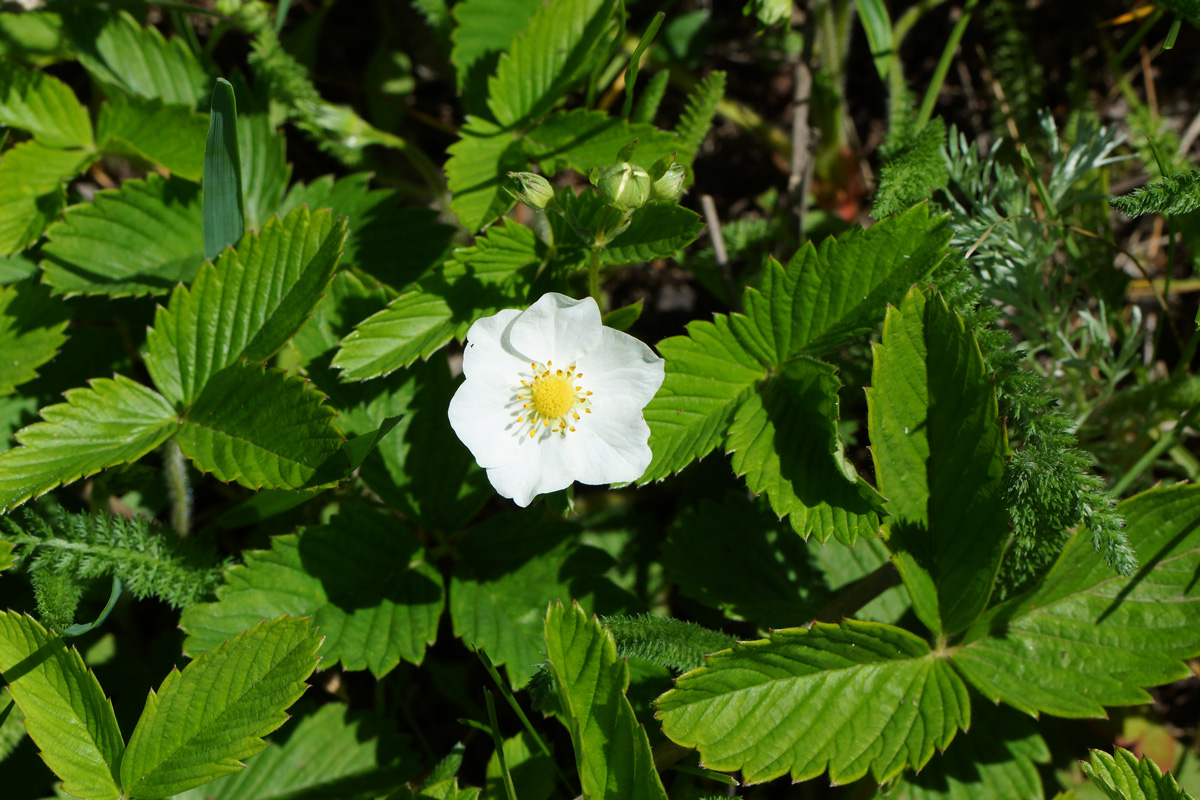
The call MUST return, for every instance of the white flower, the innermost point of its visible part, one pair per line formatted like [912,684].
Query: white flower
[552,396]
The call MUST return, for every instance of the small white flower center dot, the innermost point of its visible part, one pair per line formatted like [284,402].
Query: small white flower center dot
[551,399]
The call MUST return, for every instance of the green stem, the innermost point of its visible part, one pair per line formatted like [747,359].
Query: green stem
[943,65]
[179,487]
[594,277]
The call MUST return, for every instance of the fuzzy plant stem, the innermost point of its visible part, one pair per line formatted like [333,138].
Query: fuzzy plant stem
[179,487]
[859,593]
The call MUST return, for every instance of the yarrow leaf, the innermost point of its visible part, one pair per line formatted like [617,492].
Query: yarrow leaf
[1171,194]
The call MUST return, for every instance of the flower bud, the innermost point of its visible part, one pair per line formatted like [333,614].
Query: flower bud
[624,186]
[668,188]
[535,192]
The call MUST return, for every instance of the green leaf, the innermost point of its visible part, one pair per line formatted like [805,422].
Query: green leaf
[762,575]
[31,331]
[1085,638]
[477,169]
[376,223]
[247,305]
[843,566]
[708,375]
[35,37]
[581,139]
[121,53]
[1122,776]
[260,427]
[16,268]
[1171,194]
[224,220]
[547,58]
[878,27]
[262,155]
[66,712]
[31,190]
[939,448]
[495,273]
[784,441]
[514,563]
[12,727]
[6,561]
[656,231]
[913,171]
[831,683]
[143,238]
[995,760]
[332,752]
[825,297]
[114,422]
[698,115]
[612,751]
[363,578]
[41,104]
[170,136]
[203,720]
[484,29]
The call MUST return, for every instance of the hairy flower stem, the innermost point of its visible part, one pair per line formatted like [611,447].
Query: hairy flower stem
[179,488]
[594,277]
[859,593]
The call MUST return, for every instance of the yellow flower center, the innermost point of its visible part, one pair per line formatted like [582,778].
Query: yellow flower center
[551,399]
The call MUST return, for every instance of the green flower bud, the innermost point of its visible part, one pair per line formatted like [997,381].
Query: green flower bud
[668,188]
[535,192]
[624,186]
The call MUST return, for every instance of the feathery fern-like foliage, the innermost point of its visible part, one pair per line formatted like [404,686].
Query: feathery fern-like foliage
[665,641]
[150,562]
[913,171]
[698,116]
[1174,194]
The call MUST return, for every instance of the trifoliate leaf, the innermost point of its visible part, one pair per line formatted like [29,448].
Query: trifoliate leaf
[363,578]
[205,719]
[512,564]
[831,683]
[332,752]
[247,305]
[477,172]
[485,29]
[939,448]
[171,136]
[548,57]
[66,713]
[121,53]
[31,331]
[1122,776]
[762,575]
[581,139]
[113,422]
[612,751]
[495,273]
[1086,638]
[995,760]
[143,238]
[376,223]
[784,441]
[31,190]
[37,102]
[709,374]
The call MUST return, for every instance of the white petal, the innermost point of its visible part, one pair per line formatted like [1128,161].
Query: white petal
[484,415]
[556,328]
[612,447]
[484,351]
[622,366]
[537,466]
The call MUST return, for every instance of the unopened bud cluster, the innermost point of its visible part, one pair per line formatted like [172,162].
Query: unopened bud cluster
[626,186]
